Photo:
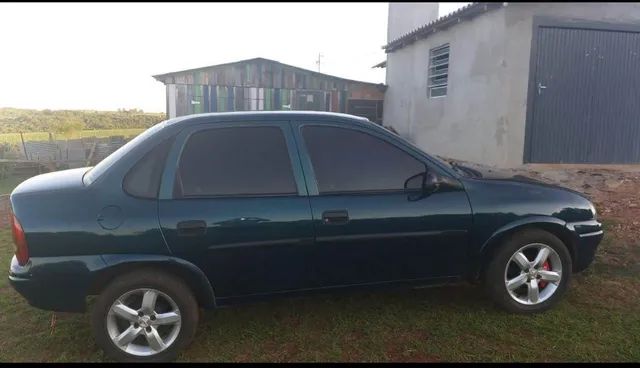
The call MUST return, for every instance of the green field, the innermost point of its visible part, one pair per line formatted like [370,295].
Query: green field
[14,120]
[14,138]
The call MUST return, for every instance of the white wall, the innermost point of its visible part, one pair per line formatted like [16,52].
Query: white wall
[472,121]
[171,101]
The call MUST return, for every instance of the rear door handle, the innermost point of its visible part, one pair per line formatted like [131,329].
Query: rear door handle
[192,228]
[335,217]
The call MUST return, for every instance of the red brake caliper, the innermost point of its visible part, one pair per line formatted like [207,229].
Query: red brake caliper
[545,266]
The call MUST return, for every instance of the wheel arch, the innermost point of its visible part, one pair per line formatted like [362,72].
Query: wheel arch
[552,225]
[191,274]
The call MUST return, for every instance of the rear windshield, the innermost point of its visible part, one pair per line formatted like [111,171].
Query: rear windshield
[95,172]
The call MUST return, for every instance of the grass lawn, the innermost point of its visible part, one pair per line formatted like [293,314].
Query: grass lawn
[599,320]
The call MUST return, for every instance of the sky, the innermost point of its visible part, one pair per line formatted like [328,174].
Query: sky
[101,56]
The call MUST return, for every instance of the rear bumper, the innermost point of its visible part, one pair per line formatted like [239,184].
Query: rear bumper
[56,286]
[40,297]
[587,237]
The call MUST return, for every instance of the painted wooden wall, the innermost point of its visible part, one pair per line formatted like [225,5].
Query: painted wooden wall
[261,84]
[194,99]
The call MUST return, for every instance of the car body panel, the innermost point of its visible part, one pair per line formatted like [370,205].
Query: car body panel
[388,237]
[498,203]
[87,221]
[55,283]
[81,231]
[63,283]
[65,180]
[252,244]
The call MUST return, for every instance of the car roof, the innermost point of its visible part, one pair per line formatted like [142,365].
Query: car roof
[265,115]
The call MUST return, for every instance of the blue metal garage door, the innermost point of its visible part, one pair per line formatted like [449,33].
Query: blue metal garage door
[586,97]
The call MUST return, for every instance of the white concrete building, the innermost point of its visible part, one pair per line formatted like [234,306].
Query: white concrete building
[507,83]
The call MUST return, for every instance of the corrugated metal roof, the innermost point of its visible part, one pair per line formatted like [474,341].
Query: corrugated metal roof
[466,12]
[160,77]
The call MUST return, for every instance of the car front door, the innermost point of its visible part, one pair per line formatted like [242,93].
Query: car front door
[368,229]
[233,201]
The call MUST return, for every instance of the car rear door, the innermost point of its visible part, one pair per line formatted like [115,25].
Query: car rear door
[233,201]
[367,229]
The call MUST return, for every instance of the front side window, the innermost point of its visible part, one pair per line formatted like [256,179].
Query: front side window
[346,160]
[240,161]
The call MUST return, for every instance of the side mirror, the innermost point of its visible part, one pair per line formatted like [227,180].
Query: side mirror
[422,185]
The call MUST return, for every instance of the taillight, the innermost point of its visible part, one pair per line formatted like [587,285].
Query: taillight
[19,241]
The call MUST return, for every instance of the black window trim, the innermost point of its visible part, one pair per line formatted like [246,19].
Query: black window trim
[222,125]
[371,132]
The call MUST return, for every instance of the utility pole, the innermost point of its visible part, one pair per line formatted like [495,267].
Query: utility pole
[318,61]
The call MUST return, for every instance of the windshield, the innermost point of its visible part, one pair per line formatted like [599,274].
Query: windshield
[96,171]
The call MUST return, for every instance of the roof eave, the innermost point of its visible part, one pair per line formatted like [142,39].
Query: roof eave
[161,77]
[453,18]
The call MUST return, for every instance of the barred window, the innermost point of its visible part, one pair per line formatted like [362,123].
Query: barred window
[438,71]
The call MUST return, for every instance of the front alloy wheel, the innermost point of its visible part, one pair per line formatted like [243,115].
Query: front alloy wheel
[529,272]
[533,274]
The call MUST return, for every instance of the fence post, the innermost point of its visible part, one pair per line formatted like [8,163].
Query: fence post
[23,146]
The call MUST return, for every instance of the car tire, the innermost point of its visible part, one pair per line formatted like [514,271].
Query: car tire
[110,320]
[507,269]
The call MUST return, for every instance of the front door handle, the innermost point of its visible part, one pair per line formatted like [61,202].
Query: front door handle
[335,217]
[192,228]
[540,88]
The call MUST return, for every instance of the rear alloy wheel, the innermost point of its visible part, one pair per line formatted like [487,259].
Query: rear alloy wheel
[146,316]
[529,273]
[143,322]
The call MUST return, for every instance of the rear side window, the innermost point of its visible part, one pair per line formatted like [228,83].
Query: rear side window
[346,160]
[240,161]
[143,180]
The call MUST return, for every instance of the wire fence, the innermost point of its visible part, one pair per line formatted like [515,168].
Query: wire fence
[5,212]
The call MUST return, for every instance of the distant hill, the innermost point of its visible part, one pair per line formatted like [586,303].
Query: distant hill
[25,120]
